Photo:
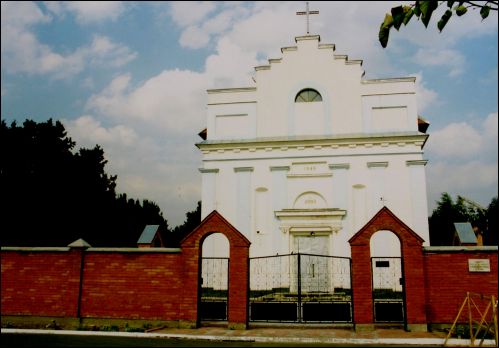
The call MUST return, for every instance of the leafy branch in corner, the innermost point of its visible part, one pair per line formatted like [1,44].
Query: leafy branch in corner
[424,10]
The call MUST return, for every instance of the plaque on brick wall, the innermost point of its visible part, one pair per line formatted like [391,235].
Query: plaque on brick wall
[479,265]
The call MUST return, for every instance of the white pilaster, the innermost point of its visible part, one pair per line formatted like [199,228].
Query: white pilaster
[419,199]
[209,191]
[279,202]
[243,200]
[377,188]
[339,197]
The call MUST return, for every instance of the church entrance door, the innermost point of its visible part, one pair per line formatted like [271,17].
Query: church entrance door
[314,269]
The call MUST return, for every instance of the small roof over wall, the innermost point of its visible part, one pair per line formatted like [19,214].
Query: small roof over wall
[79,243]
[150,237]
[464,234]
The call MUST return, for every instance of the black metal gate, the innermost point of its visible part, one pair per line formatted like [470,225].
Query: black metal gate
[300,288]
[388,289]
[214,288]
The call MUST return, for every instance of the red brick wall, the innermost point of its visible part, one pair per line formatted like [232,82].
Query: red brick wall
[414,285]
[362,285]
[448,279]
[132,285]
[144,284]
[40,283]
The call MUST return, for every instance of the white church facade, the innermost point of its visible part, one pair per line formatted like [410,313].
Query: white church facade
[306,157]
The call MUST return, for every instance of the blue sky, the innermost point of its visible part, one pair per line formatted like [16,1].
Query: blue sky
[132,77]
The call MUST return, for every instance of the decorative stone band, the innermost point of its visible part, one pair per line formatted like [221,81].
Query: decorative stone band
[377,164]
[416,163]
[243,169]
[339,166]
[279,168]
[209,170]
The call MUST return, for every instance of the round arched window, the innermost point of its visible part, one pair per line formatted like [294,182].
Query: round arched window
[308,95]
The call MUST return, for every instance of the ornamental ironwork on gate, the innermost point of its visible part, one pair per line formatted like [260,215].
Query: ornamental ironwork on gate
[214,288]
[300,288]
[388,289]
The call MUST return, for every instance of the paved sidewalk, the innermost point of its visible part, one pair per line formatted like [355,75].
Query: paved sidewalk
[390,336]
[296,335]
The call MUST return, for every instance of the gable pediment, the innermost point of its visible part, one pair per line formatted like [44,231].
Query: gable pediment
[385,219]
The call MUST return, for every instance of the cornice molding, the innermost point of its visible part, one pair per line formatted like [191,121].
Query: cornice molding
[319,143]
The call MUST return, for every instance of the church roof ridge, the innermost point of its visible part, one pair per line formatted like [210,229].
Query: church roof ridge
[327,46]
[307,37]
[354,61]
[331,46]
[289,48]
[262,67]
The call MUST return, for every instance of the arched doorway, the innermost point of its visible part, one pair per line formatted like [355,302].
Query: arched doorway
[214,277]
[412,268]
[238,272]
[387,277]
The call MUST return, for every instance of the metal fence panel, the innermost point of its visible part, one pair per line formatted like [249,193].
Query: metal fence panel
[214,288]
[300,288]
[388,291]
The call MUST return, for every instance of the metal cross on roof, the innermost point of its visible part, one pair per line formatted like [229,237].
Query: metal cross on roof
[383,200]
[307,13]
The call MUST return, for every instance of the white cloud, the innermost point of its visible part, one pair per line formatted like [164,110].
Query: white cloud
[148,166]
[87,12]
[463,160]
[188,13]
[172,101]
[446,58]
[89,132]
[194,37]
[230,66]
[266,29]
[425,96]
[102,51]
[22,52]
[490,127]
[465,141]
[459,140]
[200,33]
[21,13]
[474,179]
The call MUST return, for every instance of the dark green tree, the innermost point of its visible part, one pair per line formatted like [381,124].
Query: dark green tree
[491,236]
[424,10]
[52,195]
[447,212]
[192,220]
